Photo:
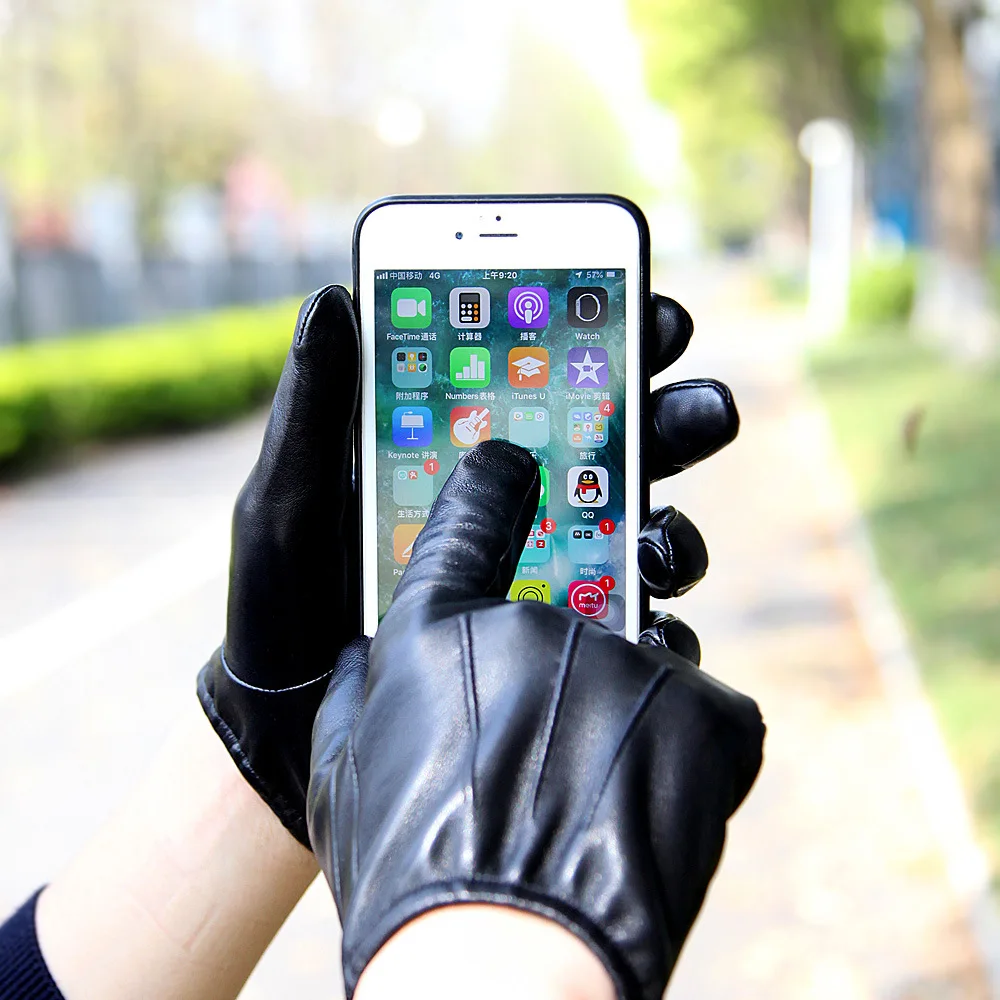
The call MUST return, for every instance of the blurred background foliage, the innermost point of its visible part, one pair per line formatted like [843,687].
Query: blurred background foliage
[744,77]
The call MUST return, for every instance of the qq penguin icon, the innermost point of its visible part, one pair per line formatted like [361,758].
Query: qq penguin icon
[587,486]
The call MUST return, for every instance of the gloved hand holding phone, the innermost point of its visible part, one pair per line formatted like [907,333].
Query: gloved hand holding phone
[483,751]
[294,589]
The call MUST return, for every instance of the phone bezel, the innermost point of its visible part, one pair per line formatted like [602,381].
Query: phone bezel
[552,231]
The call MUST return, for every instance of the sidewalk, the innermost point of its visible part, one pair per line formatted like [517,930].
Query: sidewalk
[833,885]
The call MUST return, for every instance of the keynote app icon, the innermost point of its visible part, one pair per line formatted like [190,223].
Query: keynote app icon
[412,427]
[528,307]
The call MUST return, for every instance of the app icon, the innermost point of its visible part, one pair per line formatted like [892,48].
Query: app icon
[411,308]
[538,547]
[587,598]
[403,537]
[587,307]
[528,367]
[587,367]
[531,590]
[469,308]
[587,428]
[470,367]
[528,426]
[585,544]
[412,427]
[528,307]
[412,368]
[587,486]
[543,496]
[469,425]
[412,487]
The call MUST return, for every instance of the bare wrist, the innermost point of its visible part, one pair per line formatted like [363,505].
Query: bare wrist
[491,952]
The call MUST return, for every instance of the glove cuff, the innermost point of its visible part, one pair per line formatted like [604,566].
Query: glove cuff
[268,735]
[357,954]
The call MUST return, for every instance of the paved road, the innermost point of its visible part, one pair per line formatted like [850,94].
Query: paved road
[832,886]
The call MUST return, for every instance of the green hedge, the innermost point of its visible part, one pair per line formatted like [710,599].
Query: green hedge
[188,371]
[882,292]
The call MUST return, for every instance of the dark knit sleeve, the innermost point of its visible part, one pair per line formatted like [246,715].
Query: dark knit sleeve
[23,972]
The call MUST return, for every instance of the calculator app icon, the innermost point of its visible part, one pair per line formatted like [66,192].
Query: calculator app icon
[469,308]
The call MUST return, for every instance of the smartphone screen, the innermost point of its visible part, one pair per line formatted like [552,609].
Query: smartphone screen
[534,356]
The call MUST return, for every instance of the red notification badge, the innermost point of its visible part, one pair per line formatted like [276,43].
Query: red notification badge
[607,407]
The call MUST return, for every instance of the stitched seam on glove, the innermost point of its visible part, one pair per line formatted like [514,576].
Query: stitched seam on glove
[639,710]
[251,687]
[471,701]
[565,665]
[355,805]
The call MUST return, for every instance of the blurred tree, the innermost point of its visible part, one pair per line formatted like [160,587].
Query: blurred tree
[955,297]
[112,88]
[554,132]
[744,77]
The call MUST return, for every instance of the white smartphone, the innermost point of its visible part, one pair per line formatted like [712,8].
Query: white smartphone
[517,318]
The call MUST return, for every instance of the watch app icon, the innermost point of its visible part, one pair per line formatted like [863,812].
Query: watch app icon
[587,307]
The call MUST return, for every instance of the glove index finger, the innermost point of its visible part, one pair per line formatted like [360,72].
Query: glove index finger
[471,543]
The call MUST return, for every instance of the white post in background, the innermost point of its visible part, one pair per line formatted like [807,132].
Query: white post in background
[8,290]
[828,146]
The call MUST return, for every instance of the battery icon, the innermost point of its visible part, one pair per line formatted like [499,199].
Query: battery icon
[611,274]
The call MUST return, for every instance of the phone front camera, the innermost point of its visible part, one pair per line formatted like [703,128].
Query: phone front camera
[458,236]
[498,218]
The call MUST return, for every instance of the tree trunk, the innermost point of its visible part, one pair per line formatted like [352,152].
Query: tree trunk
[955,302]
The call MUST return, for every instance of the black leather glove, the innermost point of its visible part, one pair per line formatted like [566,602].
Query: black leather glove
[294,587]
[515,753]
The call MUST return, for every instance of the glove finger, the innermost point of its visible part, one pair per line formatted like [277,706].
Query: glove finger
[310,431]
[476,530]
[672,327]
[337,716]
[290,521]
[669,632]
[672,554]
[688,422]
[342,704]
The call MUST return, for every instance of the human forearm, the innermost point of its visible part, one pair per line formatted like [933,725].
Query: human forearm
[181,891]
